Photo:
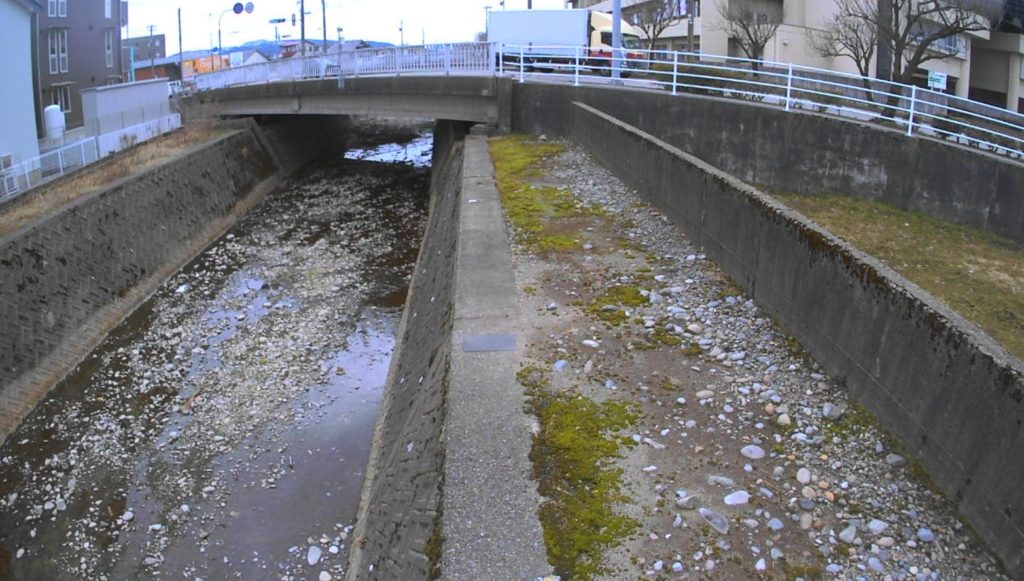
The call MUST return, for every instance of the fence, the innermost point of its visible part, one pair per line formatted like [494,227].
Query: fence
[51,165]
[915,110]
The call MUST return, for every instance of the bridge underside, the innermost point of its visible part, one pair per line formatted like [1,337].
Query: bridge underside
[455,98]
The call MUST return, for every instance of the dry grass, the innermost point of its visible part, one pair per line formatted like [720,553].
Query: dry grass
[978,274]
[59,193]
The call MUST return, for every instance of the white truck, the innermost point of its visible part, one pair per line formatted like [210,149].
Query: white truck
[556,38]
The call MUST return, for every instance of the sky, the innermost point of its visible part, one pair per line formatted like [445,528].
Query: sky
[432,20]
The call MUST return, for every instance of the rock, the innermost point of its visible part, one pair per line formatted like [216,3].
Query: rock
[737,498]
[876,565]
[313,555]
[806,520]
[20,553]
[783,420]
[808,492]
[831,411]
[721,481]
[128,516]
[659,565]
[591,343]
[775,524]
[552,306]
[875,526]
[806,504]
[561,364]
[885,542]
[694,329]
[848,534]
[688,502]
[677,567]
[895,460]
[705,394]
[325,576]
[753,452]
[760,565]
[716,520]
[834,569]
[925,535]
[803,476]
[677,522]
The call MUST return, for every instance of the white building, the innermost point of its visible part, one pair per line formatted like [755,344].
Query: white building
[18,140]
[986,66]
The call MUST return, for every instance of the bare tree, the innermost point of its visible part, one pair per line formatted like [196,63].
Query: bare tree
[751,23]
[913,33]
[847,35]
[652,17]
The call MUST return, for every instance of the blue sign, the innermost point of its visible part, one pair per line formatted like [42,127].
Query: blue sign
[237,8]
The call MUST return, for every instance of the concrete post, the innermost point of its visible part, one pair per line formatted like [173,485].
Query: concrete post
[1013,85]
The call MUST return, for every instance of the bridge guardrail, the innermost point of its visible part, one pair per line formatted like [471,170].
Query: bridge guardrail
[915,110]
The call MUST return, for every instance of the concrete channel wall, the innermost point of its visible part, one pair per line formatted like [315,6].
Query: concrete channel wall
[71,276]
[946,390]
[801,152]
[398,526]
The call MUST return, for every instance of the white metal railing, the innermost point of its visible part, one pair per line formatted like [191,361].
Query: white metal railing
[51,165]
[915,110]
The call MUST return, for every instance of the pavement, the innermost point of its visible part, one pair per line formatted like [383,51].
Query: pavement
[490,523]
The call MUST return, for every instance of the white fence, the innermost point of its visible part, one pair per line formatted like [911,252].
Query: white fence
[54,164]
[915,110]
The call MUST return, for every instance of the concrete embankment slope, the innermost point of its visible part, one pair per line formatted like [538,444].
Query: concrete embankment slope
[952,395]
[448,490]
[71,276]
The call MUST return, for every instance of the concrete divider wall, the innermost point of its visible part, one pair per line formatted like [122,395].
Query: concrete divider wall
[801,152]
[946,390]
[398,527]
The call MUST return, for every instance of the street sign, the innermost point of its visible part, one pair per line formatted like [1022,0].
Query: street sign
[937,80]
[237,8]
[249,7]
[278,20]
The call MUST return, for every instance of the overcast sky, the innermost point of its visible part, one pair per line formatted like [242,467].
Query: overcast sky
[435,20]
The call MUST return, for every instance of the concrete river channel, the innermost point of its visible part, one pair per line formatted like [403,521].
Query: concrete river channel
[223,430]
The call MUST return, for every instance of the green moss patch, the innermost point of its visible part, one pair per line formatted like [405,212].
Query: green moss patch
[976,273]
[619,297]
[545,218]
[573,460]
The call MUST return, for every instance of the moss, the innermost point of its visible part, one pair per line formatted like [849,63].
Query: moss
[572,457]
[433,548]
[801,570]
[664,336]
[856,421]
[692,350]
[540,215]
[530,290]
[616,296]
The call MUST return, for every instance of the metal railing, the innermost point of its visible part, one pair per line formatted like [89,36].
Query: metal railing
[51,165]
[915,110]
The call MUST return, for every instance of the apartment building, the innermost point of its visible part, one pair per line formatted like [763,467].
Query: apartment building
[79,47]
[18,140]
[983,65]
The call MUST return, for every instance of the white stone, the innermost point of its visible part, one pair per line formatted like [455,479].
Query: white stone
[737,498]
[753,452]
[803,476]
[313,555]
[325,576]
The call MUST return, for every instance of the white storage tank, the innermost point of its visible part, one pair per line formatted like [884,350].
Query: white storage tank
[53,121]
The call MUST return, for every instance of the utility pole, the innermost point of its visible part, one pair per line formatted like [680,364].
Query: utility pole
[401,32]
[689,29]
[302,25]
[616,38]
[180,71]
[152,55]
[323,8]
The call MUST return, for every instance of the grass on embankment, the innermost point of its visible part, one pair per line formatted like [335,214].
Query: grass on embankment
[978,274]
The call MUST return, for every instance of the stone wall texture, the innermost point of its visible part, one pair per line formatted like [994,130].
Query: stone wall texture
[398,529]
[952,395]
[62,271]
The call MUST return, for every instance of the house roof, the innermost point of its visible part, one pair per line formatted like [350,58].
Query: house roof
[30,5]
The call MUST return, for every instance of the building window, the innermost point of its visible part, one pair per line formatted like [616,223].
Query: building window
[61,95]
[51,8]
[107,9]
[109,45]
[58,50]
[62,8]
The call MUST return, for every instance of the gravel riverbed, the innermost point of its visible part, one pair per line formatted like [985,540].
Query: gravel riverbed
[223,430]
[750,461]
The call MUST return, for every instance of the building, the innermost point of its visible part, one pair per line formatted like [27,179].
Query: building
[18,140]
[158,68]
[984,65]
[78,47]
[146,48]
